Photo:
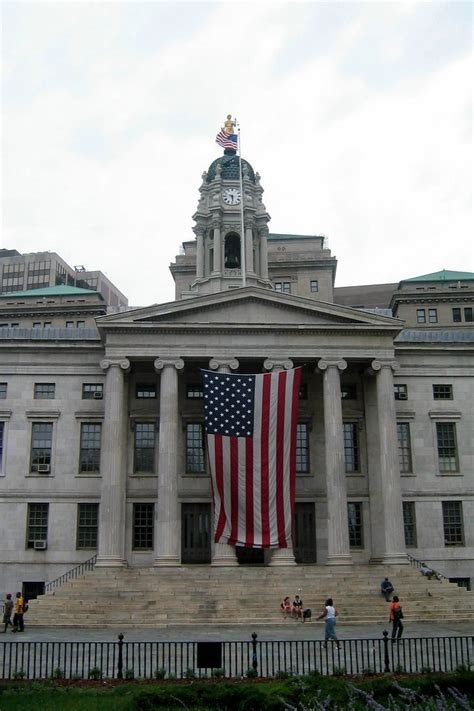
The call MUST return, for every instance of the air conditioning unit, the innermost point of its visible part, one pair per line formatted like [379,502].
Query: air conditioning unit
[40,545]
[402,396]
[44,468]
[98,395]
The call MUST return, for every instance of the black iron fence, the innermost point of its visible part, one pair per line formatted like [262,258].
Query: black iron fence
[128,660]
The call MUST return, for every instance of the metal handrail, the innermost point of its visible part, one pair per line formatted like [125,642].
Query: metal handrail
[419,564]
[70,574]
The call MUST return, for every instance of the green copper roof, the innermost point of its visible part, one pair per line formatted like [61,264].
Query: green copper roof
[444,275]
[229,168]
[61,290]
[273,236]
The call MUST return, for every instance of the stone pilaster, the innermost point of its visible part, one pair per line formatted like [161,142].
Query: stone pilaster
[386,512]
[168,520]
[280,556]
[199,253]
[264,252]
[223,553]
[338,527]
[217,266]
[111,551]
[249,249]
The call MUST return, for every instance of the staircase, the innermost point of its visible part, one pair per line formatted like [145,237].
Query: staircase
[203,595]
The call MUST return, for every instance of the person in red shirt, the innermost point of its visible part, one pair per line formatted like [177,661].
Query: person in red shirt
[396,617]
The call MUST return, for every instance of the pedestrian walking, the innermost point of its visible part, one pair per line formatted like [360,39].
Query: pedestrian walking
[329,613]
[7,611]
[396,617]
[18,623]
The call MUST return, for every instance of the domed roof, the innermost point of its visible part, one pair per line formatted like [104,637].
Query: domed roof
[229,168]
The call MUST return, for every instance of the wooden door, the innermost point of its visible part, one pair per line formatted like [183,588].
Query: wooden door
[196,533]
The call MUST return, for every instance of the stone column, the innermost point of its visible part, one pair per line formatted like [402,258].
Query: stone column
[217,268]
[112,518]
[280,556]
[338,527]
[264,253]
[199,253]
[223,553]
[386,511]
[168,520]
[249,249]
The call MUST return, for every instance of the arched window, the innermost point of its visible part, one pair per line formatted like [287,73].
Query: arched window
[232,251]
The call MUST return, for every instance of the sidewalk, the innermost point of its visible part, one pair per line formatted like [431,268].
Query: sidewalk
[288,630]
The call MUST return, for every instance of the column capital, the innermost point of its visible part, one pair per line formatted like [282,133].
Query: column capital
[161,363]
[199,230]
[277,364]
[379,363]
[122,363]
[216,363]
[325,363]
[263,231]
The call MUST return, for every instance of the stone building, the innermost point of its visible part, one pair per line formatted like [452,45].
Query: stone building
[102,428]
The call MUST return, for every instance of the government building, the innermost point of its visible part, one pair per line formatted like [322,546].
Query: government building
[101,410]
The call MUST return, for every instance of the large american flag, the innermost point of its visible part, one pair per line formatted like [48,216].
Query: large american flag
[227,140]
[251,442]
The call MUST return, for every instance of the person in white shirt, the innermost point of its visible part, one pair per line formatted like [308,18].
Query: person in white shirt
[330,613]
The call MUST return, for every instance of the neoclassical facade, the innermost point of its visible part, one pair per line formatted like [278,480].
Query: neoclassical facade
[103,437]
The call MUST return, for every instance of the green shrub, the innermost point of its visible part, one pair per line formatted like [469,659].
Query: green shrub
[282,674]
[95,673]
[339,671]
[57,673]
[251,673]
[19,674]
[217,673]
[129,674]
[160,673]
[189,673]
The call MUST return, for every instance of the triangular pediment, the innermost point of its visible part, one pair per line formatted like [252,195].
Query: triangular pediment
[248,306]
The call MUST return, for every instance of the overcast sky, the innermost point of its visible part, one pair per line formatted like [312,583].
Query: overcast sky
[358,116]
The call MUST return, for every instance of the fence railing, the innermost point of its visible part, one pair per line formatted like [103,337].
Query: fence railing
[419,564]
[148,660]
[75,572]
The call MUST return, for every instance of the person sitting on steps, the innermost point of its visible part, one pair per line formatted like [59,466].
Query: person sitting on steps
[286,607]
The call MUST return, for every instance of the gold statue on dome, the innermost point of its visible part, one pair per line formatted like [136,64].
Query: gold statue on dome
[229,124]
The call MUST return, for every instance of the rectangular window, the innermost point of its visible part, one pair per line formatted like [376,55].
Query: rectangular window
[194,392]
[400,392]
[420,316]
[36,324]
[447,449]
[47,324]
[283,287]
[314,286]
[80,324]
[442,392]
[143,516]
[456,315]
[2,431]
[468,313]
[92,391]
[144,447]
[69,324]
[302,448]
[87,525]
[89,460]
[145,391]
[348,391]
[41,446]
[356,533]
[3,391]
[404,447]
[351,447]
[409,523]
[453,523]
[433,315]
[195,460]
[44,391]
[37,525]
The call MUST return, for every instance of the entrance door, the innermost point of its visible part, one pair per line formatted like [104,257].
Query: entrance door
[304,533]
[250,556]
[196,533]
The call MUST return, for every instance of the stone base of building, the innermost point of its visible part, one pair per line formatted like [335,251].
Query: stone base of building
[340,559]
[110,562]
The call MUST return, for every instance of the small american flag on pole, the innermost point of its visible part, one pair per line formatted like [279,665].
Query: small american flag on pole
[227,140]
[251,442]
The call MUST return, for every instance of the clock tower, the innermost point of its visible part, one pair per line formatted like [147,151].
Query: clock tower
[231,222]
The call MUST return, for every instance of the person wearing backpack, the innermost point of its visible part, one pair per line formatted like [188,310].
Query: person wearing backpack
[396,617]
[7,611]
[20,608]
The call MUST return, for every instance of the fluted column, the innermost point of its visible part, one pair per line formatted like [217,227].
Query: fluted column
[111,550]
[280,556]
[199,254]
[264,253]
[223,553]
[168,523]
[386,512]
[217,268]
[249,249]
[338,527]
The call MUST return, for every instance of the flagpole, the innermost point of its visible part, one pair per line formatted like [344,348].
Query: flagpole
[242,240]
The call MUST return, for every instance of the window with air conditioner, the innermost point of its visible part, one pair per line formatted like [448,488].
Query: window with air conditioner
[41,446]
[37,526]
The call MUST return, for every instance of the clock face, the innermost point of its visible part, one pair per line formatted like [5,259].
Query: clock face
[231,196]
